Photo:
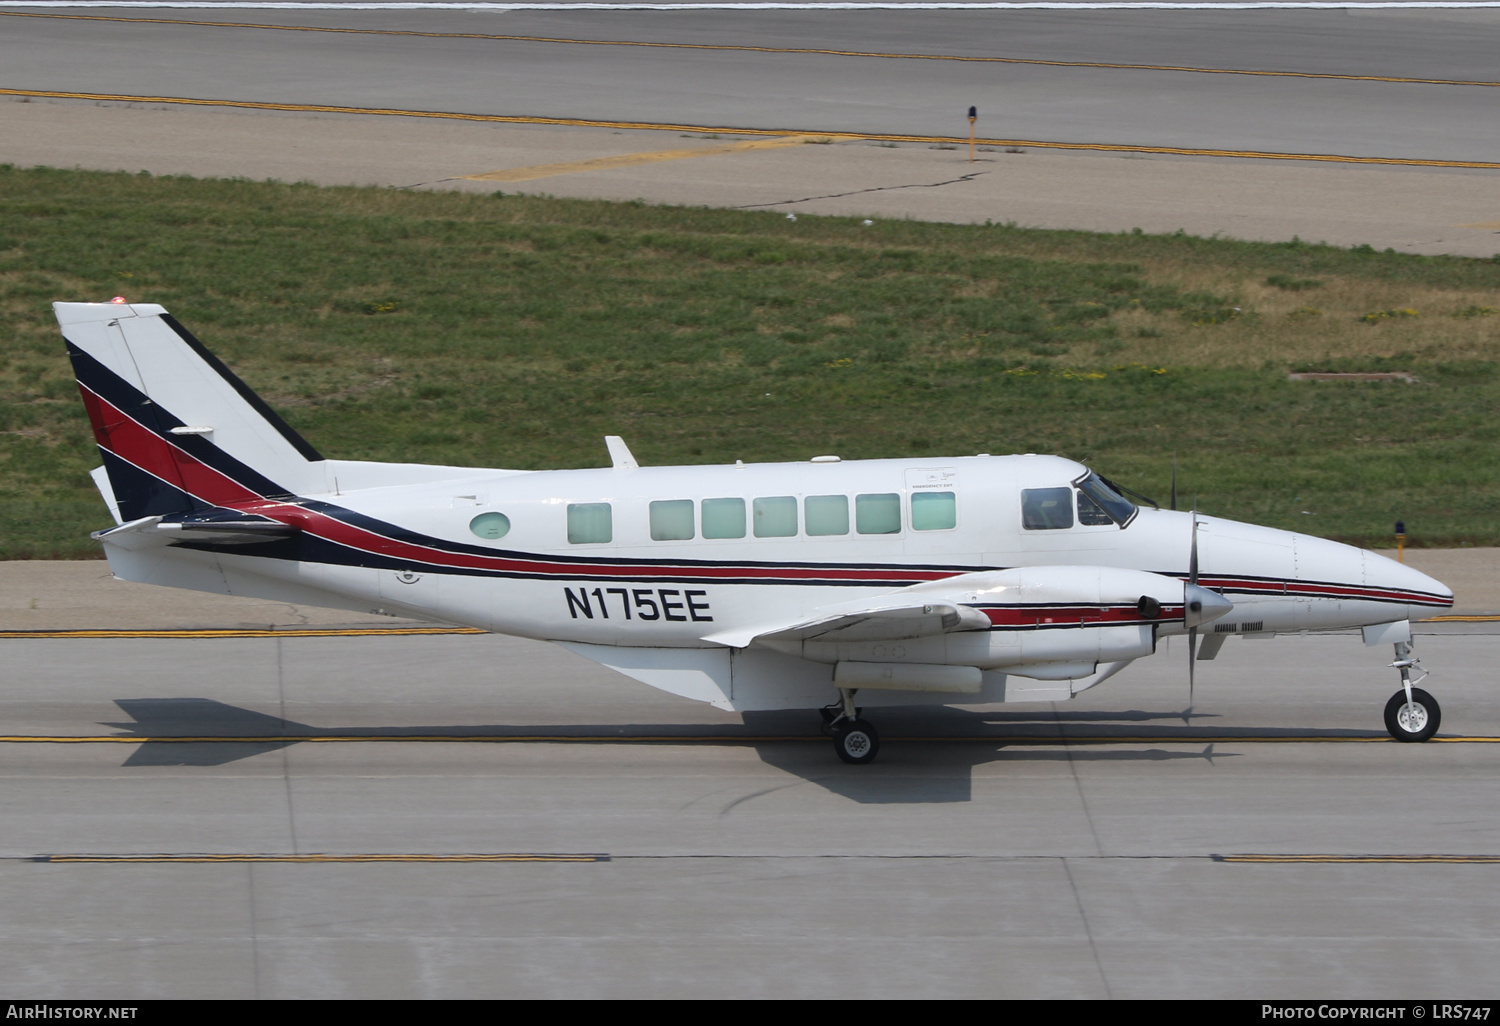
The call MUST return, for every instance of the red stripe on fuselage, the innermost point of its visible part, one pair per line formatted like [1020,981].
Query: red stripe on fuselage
[1080,616]
[1315,589]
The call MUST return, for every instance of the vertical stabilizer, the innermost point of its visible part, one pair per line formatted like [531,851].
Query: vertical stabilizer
[177,429]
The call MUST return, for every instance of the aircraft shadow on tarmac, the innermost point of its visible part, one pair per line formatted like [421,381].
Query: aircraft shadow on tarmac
[928,758]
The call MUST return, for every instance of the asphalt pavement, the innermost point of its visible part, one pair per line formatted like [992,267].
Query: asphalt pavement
[300,806]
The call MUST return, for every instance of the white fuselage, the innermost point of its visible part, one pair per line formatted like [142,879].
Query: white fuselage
[632,590]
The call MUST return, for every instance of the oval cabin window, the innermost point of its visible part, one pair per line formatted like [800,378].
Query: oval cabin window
[490,526]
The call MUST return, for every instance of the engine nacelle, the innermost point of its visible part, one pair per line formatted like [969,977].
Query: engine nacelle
[998,649]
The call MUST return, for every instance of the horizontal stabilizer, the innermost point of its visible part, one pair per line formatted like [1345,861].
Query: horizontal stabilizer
[263,528]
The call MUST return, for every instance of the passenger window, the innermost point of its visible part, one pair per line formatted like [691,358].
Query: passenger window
[1046,509]
[672,520]
[826,514]
[589,523]
[878,514]
[775,517]
[1090,513]
[723,518]
[934,511]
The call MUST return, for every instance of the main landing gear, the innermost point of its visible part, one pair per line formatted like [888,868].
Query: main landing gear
[1411,714]
[854,740]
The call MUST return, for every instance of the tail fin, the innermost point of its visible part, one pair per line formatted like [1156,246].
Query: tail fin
[177,430]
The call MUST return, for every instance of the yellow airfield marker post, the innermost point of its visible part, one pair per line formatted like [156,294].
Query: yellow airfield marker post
[1400,541]
[973,117]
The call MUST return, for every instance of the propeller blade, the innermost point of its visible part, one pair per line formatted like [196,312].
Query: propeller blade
[1193,552]
[1192,654]
[1198,605]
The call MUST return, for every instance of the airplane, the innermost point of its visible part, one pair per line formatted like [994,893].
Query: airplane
[896,582]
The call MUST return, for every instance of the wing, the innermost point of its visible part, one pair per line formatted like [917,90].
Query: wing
[888,618]
[1072,598]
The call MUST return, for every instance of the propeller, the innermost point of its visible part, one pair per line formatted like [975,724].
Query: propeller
[1199,605]
[1188,602]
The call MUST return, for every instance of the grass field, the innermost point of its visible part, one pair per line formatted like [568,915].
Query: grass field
[516,331]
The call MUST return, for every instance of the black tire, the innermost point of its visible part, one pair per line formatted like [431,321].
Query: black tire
[856,742]
[1425,716]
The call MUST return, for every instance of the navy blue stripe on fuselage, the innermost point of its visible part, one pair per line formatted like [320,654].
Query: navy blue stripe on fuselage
[1280,587]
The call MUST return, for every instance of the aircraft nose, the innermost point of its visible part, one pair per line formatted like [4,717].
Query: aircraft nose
[1423,594]
[1202,605]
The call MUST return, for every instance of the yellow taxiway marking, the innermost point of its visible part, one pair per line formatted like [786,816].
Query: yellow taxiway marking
[526,174]
[1345,859]
[953,140]
[1461,617]
[596,857]
[1493,225]
[325,857]
[706,739]
[246,632]
[813,51]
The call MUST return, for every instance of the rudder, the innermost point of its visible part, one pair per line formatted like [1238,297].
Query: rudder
[178,431]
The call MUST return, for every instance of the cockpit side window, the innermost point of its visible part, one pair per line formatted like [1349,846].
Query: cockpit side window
[1090,514]
[1046,509]
[1098,503]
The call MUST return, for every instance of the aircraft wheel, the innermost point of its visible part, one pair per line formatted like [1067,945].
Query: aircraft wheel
[856,742]
[1415,722]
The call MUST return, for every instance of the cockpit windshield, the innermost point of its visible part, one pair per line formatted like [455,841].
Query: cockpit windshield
[1098,503]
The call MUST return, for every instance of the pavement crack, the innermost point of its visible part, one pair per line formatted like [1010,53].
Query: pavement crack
[1087,930]
[286,764]
[857,192]
[438,181]
[296,616]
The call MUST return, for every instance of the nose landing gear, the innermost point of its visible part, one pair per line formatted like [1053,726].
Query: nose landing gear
[1411,714]
[854,740]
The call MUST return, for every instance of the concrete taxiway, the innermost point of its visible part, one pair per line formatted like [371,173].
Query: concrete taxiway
[1177,90]
[301,806]
[312,812]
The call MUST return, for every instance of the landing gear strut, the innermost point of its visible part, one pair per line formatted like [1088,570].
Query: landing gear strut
[854,740]
[1411,714]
